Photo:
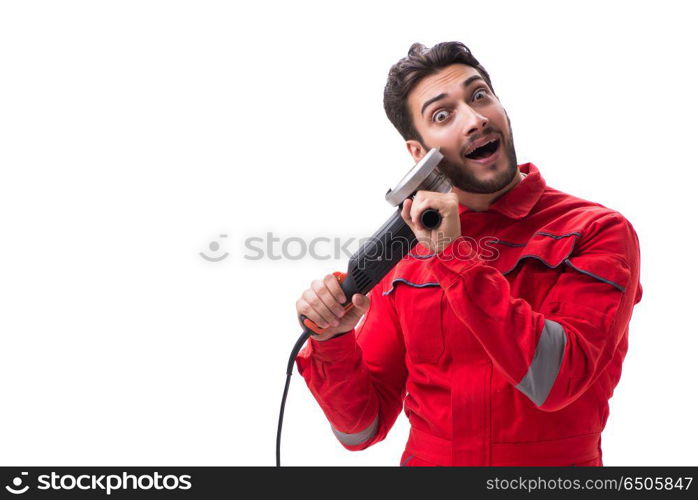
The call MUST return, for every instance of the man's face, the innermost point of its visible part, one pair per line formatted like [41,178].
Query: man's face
[455,110]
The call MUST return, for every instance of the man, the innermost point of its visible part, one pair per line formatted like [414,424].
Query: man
[504,331]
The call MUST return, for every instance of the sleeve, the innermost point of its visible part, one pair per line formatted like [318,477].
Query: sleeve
[552,355]
[359,378]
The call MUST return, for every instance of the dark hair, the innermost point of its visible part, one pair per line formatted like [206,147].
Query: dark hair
[408,71]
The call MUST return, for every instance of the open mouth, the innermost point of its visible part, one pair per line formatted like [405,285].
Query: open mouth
[485,151]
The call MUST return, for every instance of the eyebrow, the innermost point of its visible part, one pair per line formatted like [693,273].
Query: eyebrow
[441,96]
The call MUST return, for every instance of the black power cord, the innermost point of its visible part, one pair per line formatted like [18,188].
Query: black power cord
[289,371]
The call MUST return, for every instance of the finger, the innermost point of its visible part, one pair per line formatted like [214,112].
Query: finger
[433,199]
[359,306]
[420,195]
[332,284]
[405,213]
[444,202]
[319,309]
[302,307]
[361,302]
[328,299]
[424,200]
[406,207]
[417,208]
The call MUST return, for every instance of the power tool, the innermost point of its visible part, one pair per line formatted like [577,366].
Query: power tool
[380,253]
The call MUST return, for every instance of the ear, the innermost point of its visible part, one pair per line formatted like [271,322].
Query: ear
[415,149]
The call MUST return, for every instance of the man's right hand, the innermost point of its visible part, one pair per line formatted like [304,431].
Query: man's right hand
[321,303]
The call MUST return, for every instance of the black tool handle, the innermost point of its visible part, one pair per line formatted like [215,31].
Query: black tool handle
[377,257]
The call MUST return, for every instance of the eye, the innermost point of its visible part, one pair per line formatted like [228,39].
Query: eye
[482,92]
[440,116]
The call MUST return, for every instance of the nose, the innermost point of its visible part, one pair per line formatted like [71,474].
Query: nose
[472,121]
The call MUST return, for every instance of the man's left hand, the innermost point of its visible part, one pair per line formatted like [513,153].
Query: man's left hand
[449,229]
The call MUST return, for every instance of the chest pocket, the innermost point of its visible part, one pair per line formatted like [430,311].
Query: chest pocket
[419,307]
[546,250]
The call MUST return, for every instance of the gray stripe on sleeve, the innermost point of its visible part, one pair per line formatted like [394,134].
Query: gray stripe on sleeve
[357,437]
[545,366]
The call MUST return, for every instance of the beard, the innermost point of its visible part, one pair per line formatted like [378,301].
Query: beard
[464,179]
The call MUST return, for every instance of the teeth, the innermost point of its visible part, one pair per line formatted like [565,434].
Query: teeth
[480,146]
[477,147]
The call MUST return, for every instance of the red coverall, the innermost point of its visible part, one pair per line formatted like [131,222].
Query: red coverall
[505,348]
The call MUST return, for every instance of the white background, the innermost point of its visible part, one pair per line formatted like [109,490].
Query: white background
[133,134]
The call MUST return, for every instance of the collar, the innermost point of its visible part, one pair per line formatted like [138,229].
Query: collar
[518,202]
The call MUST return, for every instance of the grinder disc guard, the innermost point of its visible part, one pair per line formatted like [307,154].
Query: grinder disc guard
[425,175]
